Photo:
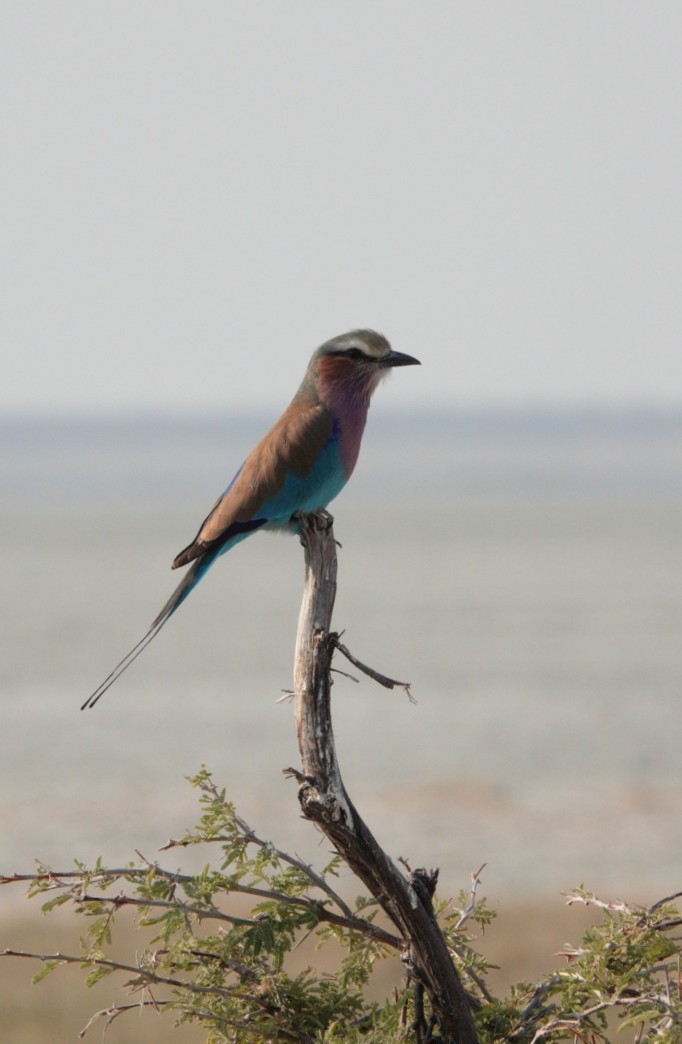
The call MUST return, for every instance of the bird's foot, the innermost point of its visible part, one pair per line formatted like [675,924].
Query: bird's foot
[313,519]
[323,519]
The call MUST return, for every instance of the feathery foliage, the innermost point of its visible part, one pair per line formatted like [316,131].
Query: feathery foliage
[232,972]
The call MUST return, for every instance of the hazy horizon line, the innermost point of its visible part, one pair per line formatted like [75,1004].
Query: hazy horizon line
[513,411]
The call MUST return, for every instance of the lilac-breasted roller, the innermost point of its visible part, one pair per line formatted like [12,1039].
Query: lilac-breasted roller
[298,467]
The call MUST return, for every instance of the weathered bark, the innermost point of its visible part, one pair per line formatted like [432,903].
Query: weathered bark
[324,799]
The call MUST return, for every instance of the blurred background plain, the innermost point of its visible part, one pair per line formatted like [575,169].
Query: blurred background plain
[194,198]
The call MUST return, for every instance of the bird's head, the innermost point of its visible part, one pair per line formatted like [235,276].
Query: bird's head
[350,366]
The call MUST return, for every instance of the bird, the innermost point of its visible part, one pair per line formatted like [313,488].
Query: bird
[297,468]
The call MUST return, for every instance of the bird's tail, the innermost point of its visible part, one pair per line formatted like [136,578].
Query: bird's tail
[189,580]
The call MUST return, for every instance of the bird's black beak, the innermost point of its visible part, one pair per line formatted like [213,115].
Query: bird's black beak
[399,359]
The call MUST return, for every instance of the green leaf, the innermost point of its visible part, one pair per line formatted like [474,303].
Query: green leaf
[48,966]
[97,973]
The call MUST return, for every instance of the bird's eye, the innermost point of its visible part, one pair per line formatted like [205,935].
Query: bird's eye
[355,353]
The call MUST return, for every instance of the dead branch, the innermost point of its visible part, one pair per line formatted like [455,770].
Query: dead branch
[323,798]
[381,679]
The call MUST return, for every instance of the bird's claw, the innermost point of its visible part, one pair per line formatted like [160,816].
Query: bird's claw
[314,519]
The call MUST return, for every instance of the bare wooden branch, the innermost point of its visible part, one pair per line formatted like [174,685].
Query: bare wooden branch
[382,679]
[323,798]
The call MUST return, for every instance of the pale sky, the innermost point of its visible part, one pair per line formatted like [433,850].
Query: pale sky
[195,195]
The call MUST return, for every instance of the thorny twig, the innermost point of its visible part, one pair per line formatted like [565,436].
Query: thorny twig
[114,1010]
[353,922]
[249,836]
[592,900]
[471,904]
[140,971]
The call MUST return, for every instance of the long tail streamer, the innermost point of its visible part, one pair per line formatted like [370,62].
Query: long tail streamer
[189,580]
